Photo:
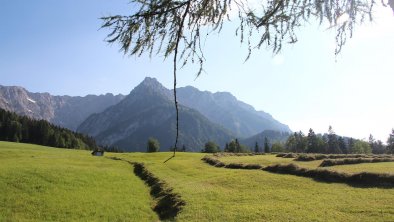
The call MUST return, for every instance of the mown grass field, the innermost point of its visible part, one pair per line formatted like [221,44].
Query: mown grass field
[266,160]
[81,187]
[48,184]
[385,167]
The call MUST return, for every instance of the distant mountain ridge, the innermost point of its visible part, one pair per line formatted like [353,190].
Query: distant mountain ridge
[224,109]
[148,111]
[65,111]
[128,121]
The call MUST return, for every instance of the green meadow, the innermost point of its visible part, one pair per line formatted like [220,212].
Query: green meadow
[47,184]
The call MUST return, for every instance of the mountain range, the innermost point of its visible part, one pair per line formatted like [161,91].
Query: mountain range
[65,111]
[148,111]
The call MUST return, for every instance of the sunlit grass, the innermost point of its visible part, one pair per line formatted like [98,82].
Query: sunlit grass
[48,184]
[219,194]
[266,160]
[384,167]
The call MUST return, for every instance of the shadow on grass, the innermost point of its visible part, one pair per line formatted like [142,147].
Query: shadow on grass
[169,204]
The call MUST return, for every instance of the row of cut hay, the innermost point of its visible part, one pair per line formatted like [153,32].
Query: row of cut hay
[287,155]
[312,157]
[213,161]
[168,204]
[333,162]
[217,163]
[221,154]
[363,178]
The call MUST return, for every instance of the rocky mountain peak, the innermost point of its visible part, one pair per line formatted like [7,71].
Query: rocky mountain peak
[150,86]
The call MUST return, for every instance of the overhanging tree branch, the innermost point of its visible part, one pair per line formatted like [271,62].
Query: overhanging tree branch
[159,26]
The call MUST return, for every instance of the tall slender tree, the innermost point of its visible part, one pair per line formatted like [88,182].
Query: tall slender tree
[312,145]
[333,146]
[256,148]
[266,145]
[390,142]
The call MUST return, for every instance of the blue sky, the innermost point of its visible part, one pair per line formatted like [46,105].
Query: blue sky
[58,47]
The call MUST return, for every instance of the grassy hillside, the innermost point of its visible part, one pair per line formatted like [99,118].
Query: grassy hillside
[38,183]
[47,184]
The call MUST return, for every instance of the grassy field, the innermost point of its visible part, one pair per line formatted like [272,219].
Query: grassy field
[266,160]
[38,183]
[218,194]
[48,184]
[385,167]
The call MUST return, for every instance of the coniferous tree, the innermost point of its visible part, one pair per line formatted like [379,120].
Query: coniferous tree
[333,146]
[266,145]
[321,144]
[312,146]
[291,143]
[390,143]
[256,148]
[232,146]
[379,148]
[237,146]
[301,142]
[342,145]
[23,129]
[350,144]
[226,148]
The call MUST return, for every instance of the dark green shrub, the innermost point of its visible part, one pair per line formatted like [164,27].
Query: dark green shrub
[153,145]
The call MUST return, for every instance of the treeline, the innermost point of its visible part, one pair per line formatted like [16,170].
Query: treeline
[332,143]
[298,142]
[17,128]
[234,146]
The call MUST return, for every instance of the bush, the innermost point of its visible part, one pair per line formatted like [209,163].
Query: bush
[153,145]
[211,147]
